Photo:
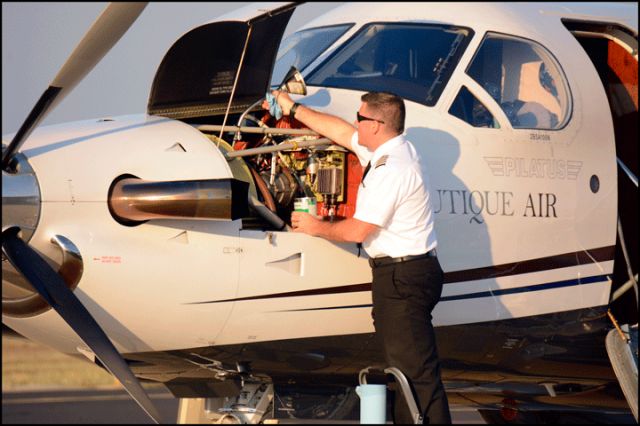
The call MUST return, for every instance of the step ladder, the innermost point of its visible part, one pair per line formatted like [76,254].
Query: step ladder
[404,387]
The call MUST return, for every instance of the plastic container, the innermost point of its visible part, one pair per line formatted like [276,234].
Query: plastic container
[373,403]
[307,205]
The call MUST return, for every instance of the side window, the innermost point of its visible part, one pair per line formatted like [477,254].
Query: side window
[413,61]
[524,79]
[468,108]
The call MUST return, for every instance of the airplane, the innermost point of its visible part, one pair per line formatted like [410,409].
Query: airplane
[157,245]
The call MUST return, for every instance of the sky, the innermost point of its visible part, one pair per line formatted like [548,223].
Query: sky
[37,39]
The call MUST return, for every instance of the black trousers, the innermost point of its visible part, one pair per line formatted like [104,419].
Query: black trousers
[404,294]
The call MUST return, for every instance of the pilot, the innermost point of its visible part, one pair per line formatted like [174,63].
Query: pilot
[394,223]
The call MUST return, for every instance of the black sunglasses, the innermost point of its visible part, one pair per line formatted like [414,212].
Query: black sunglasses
[363,118]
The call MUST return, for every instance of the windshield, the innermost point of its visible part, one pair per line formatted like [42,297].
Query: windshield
[413,61]
[301,48]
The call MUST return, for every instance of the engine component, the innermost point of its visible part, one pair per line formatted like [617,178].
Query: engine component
[283,188]
[285,168]
[330,186]
[330,181]
[315,173]
[312,165]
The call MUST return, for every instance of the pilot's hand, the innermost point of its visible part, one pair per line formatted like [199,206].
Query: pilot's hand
[284,100]
[304,222]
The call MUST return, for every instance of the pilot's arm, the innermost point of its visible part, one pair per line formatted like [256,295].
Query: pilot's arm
[330,126]
[347,230]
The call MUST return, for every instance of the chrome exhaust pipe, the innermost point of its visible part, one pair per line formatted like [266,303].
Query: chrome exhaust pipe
[133,200]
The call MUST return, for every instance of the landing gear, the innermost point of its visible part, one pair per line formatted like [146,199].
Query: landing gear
[252,405]
[264,402]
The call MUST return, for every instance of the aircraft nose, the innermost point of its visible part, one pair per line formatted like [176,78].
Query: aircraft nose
[20,198]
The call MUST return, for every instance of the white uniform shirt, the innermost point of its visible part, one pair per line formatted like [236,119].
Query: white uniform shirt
[394,196]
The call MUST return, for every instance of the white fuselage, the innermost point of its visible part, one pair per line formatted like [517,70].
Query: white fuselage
[500,196]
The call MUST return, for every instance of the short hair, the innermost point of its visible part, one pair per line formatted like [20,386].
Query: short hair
[390,105]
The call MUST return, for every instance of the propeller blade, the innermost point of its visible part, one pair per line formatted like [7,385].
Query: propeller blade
[53,289]
[105,32]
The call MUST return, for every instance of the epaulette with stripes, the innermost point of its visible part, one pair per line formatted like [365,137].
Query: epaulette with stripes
[382,161]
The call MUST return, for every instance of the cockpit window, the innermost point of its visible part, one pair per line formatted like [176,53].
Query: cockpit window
[303,47]
[468,108]
[524,79]
[413,61]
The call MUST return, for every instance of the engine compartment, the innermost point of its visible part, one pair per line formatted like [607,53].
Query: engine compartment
[321,179]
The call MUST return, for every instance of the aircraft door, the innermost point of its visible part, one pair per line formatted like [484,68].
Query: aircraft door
[611,50]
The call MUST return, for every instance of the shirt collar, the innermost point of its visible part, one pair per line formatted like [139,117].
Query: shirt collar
[387,147]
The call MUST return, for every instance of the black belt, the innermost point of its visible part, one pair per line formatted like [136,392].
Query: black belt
[386,260]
